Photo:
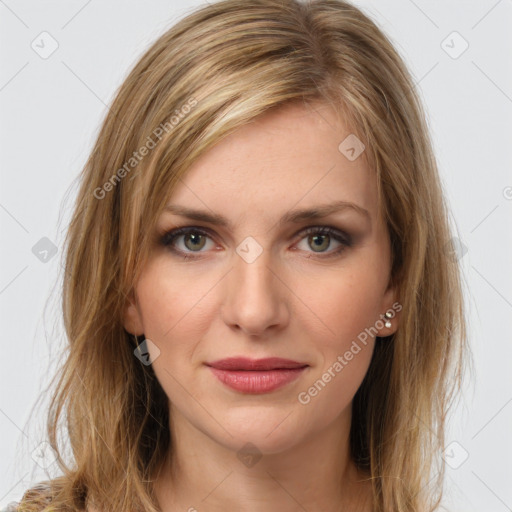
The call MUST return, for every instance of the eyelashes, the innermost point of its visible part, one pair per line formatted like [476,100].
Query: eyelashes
[316,235]
[170,237]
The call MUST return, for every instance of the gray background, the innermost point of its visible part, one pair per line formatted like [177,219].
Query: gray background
[51,109]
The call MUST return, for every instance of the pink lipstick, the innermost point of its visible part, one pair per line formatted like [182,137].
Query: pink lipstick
[256,375]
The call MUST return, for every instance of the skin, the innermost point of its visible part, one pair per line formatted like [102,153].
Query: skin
[291,301]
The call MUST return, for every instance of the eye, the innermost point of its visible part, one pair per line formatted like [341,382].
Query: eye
[186,241]
[193,240]
[320,238]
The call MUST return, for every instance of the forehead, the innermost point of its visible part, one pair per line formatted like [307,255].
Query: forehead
[286,158]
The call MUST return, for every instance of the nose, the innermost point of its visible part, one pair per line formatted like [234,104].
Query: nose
[256,297]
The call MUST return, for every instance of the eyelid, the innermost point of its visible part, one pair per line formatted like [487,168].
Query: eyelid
[170,235]
[339,235]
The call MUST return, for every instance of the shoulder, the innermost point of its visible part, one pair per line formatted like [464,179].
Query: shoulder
[11,507]
[37,497]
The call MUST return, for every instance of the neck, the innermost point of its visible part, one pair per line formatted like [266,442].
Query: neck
[315,473]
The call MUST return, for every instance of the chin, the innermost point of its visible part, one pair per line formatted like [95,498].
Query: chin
[270,432]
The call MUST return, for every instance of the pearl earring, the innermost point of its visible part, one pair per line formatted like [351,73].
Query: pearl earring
[388,315]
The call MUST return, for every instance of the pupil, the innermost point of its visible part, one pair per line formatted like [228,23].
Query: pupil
[195,239]
[316,240]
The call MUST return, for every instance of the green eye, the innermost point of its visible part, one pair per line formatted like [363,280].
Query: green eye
[194,239]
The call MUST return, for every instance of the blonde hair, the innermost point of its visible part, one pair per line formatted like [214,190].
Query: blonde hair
[214,71]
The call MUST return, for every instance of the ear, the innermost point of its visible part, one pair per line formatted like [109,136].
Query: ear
[132,317]
[392,306]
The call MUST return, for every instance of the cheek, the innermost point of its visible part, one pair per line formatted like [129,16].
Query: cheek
[177,309]
[331,389]
[342,305]
[347,306]
[172,304]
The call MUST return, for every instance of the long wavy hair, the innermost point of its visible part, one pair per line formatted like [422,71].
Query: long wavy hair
[212,72]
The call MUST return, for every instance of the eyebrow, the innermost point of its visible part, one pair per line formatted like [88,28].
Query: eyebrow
[293,216]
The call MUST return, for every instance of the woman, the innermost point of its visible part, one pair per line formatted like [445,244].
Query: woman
[262,307]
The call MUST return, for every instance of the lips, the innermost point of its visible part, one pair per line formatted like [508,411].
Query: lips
[256,376]
[244,363]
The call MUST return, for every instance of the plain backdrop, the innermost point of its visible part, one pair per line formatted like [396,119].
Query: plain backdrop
[62,61]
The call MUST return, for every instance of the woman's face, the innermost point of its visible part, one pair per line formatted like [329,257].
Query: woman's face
[264,283]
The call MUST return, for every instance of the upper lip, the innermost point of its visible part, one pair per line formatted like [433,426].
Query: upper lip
[244,363]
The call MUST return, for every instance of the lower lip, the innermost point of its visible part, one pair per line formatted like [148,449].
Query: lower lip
[260,381]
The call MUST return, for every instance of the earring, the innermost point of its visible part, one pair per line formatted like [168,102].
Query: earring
[388,315]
